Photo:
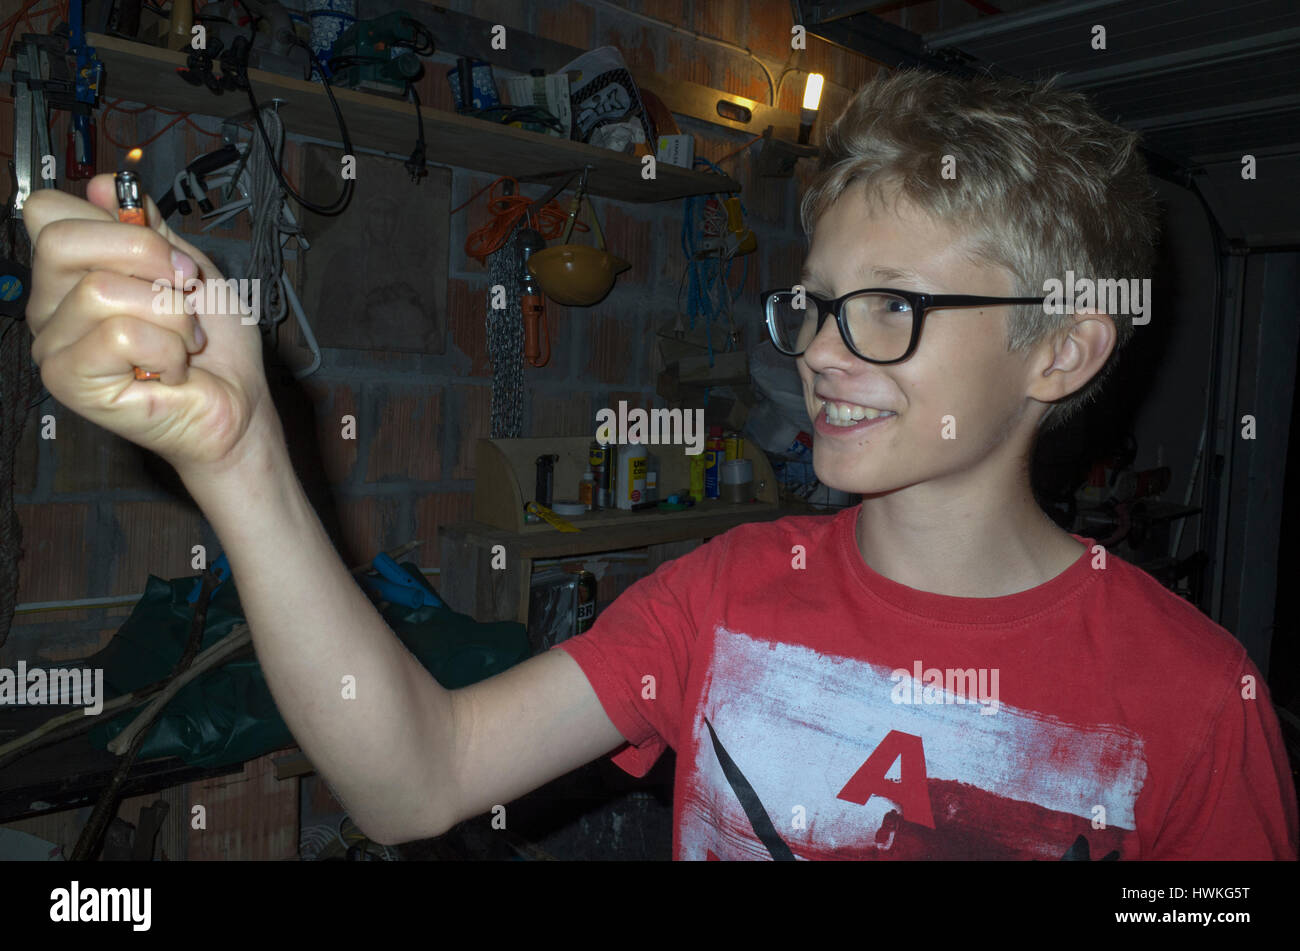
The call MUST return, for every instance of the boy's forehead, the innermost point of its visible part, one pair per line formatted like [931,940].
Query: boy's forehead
[865,271]
[861,243]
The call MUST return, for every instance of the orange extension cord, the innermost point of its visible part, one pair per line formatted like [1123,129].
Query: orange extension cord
[506,210]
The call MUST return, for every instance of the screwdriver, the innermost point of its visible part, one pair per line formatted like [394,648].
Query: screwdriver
[131,211]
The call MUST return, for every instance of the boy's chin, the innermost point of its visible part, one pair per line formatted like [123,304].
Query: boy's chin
[856,480]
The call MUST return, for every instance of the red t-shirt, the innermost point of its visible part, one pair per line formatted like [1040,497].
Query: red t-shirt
[820,710]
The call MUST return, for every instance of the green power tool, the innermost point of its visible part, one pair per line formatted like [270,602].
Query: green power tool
[381,54]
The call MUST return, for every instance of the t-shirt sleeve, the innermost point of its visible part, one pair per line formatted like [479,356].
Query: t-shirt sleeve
[1237,800]
[637,653]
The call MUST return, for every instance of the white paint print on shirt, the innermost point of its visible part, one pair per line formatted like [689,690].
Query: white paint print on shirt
[814,744]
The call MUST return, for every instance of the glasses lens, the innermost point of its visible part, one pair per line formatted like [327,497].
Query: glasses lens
[792,321]
[880,325]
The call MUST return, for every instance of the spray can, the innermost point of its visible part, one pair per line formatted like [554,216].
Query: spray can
[735,445]
[586,600]
[713,459]
[598,462]
[630,489]
[697,477]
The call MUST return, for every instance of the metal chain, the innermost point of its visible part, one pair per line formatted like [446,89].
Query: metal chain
[505,337]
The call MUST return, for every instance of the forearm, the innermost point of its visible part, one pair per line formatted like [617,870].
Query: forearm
[382,752]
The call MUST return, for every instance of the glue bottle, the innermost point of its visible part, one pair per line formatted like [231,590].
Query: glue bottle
[631,475]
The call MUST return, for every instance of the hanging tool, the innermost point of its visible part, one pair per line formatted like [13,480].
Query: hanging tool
[190,181]
[31,123]
[532,303]
[79,162]
[574,274]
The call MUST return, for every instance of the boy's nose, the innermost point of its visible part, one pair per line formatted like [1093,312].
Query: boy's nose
[828,346]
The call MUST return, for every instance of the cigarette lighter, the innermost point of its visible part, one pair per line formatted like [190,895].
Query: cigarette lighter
[130,210]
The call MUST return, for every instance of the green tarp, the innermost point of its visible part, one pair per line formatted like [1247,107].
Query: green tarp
[227,715]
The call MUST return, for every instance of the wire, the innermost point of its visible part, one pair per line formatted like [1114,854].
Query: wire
[344,199]
[738,151]
[506,210]
[416,163]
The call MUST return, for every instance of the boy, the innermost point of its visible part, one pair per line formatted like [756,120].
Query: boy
[939,672]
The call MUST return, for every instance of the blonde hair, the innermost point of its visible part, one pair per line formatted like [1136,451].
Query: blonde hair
[1043,184]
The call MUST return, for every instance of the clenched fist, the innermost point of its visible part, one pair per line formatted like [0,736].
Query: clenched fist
[96,316]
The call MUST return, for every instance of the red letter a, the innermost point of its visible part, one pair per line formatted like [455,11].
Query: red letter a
[912,794]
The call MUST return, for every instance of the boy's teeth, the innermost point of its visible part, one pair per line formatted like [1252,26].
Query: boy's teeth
[846,414]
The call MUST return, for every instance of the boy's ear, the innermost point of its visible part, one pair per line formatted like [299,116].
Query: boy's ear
[1064,362]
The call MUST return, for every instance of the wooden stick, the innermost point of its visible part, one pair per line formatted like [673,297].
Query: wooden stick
[57,729]
[92,833]
[239,637]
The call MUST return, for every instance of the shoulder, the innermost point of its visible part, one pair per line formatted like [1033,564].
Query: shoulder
[785,532]
[1167,629]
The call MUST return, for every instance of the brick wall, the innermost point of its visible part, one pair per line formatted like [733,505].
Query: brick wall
[99,515]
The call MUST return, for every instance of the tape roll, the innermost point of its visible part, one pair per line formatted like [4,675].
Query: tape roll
[567,507]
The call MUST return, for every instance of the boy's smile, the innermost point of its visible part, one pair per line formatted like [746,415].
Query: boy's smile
[880,428]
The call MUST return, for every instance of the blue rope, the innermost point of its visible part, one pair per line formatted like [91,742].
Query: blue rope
[708,280]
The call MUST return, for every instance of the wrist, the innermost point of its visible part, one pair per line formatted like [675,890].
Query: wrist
[258,469]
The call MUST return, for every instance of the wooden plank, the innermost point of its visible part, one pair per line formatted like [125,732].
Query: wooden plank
[146,74]
[653,530]
[292,765]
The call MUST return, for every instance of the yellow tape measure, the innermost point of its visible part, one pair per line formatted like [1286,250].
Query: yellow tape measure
[544,512]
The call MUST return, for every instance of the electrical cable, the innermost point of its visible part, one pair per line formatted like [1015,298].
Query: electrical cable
[506,210]
[344,199]
[417,162]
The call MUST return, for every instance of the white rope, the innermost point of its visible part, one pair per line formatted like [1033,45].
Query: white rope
[271,226]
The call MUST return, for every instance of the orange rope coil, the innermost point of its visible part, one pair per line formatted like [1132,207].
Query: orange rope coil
[506,210]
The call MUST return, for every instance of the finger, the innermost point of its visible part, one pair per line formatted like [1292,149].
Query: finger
[101,191]
[69,248]
[97,370]
[47,205]
[104,294]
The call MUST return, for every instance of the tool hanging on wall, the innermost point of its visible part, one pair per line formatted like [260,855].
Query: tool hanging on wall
[577,275]
[532,303]
[518,228]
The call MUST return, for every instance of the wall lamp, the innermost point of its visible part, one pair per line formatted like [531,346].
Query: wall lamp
[777,158]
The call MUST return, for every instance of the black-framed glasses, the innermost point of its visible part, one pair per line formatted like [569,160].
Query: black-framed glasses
[878,324]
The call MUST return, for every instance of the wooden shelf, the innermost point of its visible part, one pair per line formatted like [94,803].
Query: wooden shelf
[146,74]
[475,581]
[505,476]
